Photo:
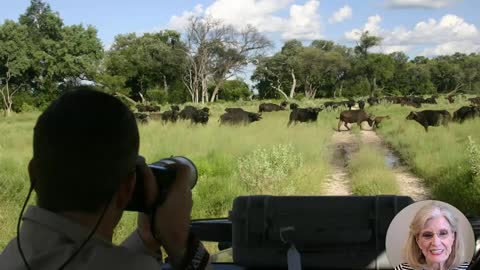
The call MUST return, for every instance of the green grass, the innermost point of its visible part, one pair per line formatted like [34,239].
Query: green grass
[216,150]
[369,173]
[439,156]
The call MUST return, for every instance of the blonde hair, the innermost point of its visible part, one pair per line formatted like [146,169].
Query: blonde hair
[412,252]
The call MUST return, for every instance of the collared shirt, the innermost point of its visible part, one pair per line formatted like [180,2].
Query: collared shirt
[48,240]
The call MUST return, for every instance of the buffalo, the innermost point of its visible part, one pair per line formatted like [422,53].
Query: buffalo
[475,100]
[147,108]
[355,116]
[175,108]
[428,118]
[372,101]
[293,106]
[303,115]
[189,111]
[270,107]
[170,116]
[200,117]
[284,104]
[142,117]
[239,116]
[466,112]
[234,110]
[451,99]
[378,119]
[361,104]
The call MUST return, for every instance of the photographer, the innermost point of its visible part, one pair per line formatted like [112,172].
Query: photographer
[84,170]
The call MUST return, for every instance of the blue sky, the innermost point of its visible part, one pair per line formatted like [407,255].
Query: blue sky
[417,27]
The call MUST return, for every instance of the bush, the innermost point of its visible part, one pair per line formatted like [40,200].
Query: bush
[157,95]
[266,170]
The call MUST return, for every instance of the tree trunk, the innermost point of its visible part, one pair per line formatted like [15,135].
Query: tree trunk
[341,89]
[294,85]
[165,85]
[215,91]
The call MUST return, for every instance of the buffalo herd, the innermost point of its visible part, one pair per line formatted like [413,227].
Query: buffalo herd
[238,116]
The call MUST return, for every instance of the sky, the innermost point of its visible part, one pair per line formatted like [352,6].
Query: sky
[416,27]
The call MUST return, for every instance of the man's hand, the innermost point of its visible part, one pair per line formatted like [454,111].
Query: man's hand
[172,218]
[143,220]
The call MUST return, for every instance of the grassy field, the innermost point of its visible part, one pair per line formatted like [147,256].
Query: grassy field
[265,157]
[439,156]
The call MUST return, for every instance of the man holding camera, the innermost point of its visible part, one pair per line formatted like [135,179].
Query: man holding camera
[84,170]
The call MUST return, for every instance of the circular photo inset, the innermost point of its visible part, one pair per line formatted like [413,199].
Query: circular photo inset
[430,234]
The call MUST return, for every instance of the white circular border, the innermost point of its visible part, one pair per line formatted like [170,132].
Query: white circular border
[397,233]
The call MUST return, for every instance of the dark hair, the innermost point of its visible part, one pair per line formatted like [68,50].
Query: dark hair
[84,145]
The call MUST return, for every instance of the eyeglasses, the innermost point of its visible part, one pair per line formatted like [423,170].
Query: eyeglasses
[442,234]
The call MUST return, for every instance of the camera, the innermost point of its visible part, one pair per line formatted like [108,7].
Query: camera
[165,174]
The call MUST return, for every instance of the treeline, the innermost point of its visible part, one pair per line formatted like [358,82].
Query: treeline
[40,57]
[326,69]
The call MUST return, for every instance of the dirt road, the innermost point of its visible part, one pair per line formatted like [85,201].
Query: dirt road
[345,143]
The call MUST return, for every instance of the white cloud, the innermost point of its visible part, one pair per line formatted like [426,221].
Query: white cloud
[302,23]
[420,3]
[372,26]
[449,48]
[258,13]
[179,23]
[342,14]
[446,36]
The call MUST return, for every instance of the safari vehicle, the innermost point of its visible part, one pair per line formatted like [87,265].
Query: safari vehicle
[329,232]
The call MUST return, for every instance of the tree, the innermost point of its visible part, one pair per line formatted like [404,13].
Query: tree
[145,62]
[14,61]
[366,42]
[371,64]
[60,55]
[218,51]
[234,90]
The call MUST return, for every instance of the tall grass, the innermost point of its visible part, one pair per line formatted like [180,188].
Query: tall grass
[217,151]
[369,173]
[439,156]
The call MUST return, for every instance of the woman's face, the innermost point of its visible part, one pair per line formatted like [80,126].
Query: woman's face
[436,240]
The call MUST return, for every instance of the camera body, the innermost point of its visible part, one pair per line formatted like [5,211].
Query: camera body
[165,173]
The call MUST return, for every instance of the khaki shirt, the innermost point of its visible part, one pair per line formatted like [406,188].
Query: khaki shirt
[48,240]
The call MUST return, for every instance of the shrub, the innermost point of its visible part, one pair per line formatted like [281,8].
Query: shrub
[474,158]
[266,170]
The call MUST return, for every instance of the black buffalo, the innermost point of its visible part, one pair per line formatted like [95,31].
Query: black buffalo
[236,117]
[303,115]
[466,112]
[475,100]
[270,107]
[372,101]
[361,104]
[234,110]
[428,118]
[147,108]
[356,116]
[200,117]
[293,106]
[189,111]
[284,104]
[175,108]
[142,117]
[170,116]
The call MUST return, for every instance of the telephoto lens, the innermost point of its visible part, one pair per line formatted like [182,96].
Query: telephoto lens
[165,174]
